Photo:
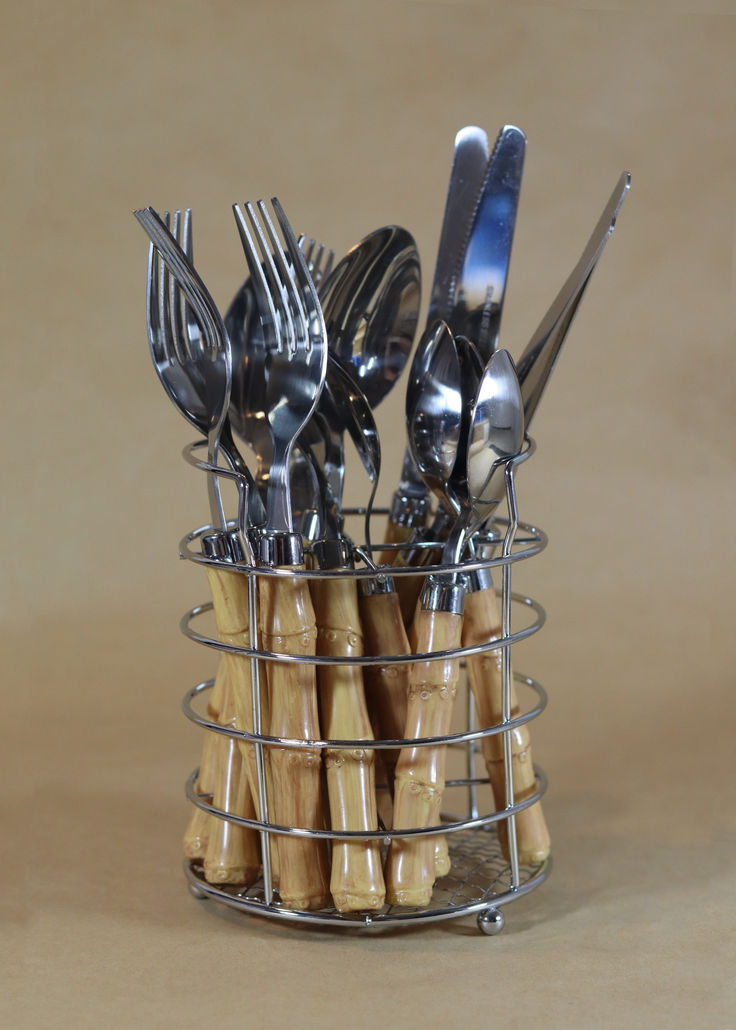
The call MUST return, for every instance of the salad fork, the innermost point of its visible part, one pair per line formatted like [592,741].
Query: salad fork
[190,350]
[191,354]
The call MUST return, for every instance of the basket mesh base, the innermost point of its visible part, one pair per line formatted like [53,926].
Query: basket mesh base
[479,878]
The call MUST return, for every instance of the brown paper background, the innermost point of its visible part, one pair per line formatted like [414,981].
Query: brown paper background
[347,112]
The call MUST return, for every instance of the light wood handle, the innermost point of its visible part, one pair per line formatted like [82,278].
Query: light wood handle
[233,851]
[197,832]
[287,625]
[395,534]
[420,771]
[387,686]
[357,876]
[196,835]
[229,592]
[485,674]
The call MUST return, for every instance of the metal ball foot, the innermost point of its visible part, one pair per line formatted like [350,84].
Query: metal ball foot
[491,921]
[197,892]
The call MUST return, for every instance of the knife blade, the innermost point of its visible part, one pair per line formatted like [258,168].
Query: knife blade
[481,282]
[469,165]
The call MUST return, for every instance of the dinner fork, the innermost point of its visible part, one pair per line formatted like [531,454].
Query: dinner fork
[287,383]
[295,342]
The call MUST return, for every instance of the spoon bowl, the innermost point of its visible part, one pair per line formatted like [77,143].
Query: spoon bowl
[434,411]
[371,305]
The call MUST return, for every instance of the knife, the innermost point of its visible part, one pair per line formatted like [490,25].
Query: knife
[470,160]
[481,284]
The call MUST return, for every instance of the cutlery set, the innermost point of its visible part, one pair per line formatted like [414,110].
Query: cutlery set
[319,793]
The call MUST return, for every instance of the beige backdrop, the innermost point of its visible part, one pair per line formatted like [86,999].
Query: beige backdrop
[347,112]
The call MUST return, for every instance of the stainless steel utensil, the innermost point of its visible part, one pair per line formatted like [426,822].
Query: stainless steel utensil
[371,308]
[537,361]
[289,380]
[248,348]
[414,862]
[481,284]
[538,358]
[290,375]
[357,877]
[342,408]
[193,363]
[410,501]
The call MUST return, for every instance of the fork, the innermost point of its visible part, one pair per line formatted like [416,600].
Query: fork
[247,413]
[287,383]
[190,351]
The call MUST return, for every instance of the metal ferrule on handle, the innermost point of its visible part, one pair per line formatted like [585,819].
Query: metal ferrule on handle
[336,553]
[277,549]
[378,585]
[444,594]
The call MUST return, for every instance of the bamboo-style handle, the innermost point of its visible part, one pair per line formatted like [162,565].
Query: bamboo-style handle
[197,832]
[420,771]
[357,877]
[229,592]
[395,534]
[387,686]
[287,625]
[483,623]
[233,852]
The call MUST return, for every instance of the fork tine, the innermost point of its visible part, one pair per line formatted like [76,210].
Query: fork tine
[165,296]
[193,329]
[264,299]
[205,309]
[176,314]
[276,286]
[307,290]
[290,292]
[328,265]
[152,309]
[308,252]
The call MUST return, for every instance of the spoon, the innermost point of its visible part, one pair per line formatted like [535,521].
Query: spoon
[456,463]
[344,713]
[497,428]
[370,302]
[342,408]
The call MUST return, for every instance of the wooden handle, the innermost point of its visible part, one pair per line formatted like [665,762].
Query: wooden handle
[229,592]
[387,686]
[395,534]
[233,851]
[196,835]
[197,832]
[287,625]
[357,877]
[483,623]
[420,771]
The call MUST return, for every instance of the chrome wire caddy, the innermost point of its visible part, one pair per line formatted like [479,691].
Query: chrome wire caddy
[484,875]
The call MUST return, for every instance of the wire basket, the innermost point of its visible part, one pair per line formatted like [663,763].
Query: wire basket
[484,876]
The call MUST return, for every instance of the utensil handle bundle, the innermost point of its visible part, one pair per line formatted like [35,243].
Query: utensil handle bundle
[420,771]
[197,832]
[387,686]
[287,625]
[229,592]
[482,623]
[395,534]
[356,881]
[233,851]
